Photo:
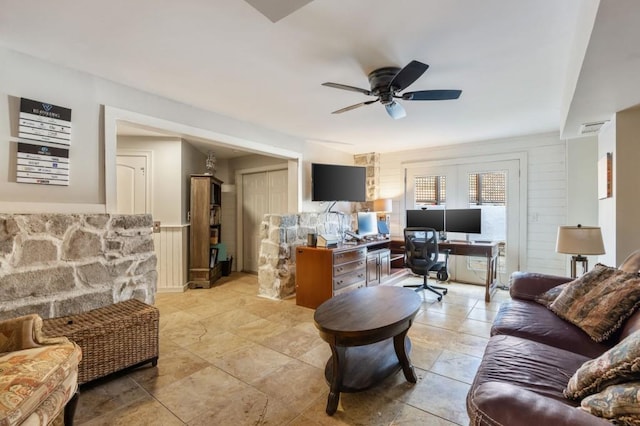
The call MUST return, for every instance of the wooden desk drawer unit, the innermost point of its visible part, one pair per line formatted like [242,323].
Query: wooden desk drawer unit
[350,255]
[353,277]
[347,267]
[322,273]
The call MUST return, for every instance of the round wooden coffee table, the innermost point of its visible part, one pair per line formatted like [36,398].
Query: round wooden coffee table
[367,332]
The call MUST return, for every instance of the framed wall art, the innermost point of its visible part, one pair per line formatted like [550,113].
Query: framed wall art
[605,176]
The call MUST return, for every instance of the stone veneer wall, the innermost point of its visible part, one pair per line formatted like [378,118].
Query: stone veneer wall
[280,235]
[372,162]
[63,264]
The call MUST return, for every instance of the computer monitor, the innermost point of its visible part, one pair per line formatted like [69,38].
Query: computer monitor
[367,224]
[468,221]
[433,218]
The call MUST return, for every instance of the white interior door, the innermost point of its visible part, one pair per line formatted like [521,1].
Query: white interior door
[498,223]
[262,193]
[131,184]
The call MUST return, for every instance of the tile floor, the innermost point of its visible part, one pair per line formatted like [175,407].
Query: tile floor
[229,357]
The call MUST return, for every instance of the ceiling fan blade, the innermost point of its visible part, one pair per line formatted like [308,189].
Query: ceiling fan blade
[407,75]
[345,87]
[349,108]
[395,110]
[431,95]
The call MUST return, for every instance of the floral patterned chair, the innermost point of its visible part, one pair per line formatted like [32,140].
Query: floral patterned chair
[38,375]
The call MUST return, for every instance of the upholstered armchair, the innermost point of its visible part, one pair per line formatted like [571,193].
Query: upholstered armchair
[38,374]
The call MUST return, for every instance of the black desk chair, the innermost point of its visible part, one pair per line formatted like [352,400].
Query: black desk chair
[421,256]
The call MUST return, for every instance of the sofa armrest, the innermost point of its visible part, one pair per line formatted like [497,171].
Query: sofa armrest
[497,403]
[528,285]
[24,333]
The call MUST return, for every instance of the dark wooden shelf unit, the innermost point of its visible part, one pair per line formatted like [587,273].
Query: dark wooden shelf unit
[205,230]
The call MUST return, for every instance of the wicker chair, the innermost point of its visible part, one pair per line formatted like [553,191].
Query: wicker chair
[39,379]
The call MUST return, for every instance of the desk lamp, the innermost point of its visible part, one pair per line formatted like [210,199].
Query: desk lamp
[578,241]
[383,206]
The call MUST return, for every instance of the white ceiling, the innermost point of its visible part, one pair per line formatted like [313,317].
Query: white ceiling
[511,58]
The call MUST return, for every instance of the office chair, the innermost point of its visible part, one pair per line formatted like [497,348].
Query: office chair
[421,256]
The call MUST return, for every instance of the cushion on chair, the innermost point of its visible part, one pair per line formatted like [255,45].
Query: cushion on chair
[32,376]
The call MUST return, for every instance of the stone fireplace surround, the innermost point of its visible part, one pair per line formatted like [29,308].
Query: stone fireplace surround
[63,264]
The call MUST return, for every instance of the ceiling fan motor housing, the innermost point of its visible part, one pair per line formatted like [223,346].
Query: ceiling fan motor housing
[379,81]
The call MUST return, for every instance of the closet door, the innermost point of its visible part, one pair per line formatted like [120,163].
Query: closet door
[262,193]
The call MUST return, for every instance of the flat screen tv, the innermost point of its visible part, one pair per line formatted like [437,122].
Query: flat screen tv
[367,224]
[468,221]
[330,182]
[426,219]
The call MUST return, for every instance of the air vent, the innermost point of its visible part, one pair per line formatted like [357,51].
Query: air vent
[592,128]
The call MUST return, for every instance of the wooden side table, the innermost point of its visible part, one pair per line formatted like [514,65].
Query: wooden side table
[368,327]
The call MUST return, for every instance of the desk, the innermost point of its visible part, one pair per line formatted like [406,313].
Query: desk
[322,273]
[367,332]
[487,250]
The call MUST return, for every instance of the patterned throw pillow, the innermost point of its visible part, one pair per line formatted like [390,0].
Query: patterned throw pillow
[618,364]
[550,295]
[599,301]
[620,403]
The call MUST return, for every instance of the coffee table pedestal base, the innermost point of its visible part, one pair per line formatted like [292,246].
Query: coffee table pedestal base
[357,368]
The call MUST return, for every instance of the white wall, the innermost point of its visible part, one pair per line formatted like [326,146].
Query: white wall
[252,161]
[86,95]
[607,206]
[546,199]
[320,153]
[22,76]
[619,214]
[192,162]
[582,186]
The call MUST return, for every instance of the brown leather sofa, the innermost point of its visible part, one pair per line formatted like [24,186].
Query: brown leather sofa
[530,357]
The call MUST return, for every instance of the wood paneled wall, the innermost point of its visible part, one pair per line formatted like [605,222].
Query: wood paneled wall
[546,206]
[171,246]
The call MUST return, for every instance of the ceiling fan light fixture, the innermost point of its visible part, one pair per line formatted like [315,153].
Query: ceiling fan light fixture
[395,110]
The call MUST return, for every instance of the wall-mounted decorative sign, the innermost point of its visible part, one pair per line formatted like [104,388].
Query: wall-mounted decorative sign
[43,122]
[605,176]
[44,165]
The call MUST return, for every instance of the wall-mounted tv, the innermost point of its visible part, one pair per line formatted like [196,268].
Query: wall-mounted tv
[426,219]
[468,221]
[331,182]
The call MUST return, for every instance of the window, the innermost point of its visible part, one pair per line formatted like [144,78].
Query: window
[487,189]
[430,190]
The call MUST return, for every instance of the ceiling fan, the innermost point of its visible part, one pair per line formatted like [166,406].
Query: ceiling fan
[387,82]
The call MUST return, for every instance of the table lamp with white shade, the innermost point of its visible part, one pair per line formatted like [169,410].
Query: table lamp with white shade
[579,241]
